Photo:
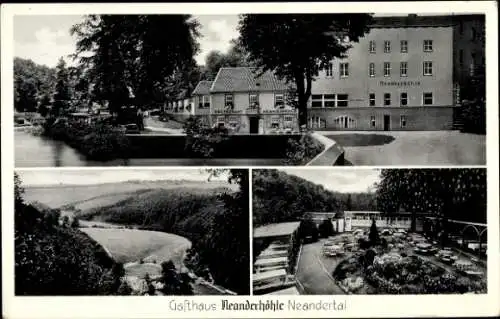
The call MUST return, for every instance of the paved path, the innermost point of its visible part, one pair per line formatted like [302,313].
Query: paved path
[315,271]
[418,148]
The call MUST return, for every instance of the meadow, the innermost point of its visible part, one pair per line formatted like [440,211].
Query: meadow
[131,245]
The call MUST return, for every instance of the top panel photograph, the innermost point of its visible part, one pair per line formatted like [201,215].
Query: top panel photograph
[249,90]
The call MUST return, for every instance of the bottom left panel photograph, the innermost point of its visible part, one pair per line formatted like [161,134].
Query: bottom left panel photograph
[131,232]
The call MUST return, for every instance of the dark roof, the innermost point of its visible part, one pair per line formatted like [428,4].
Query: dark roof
[244,79]
[413,20]
[203,88]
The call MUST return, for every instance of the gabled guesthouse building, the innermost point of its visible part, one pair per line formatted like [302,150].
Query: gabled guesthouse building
[405,74]
[247,101]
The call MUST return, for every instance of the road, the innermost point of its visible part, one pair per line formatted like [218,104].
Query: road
[314,273]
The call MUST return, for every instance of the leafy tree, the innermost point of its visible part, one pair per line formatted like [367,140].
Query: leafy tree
[65,221]
[297,46]
[124,289]
[326,228]
[173,282]
[75,223]
[445,193]
[348,204]
[62,97]
[235,57]
[44,106]
[134,57]
[307,228]
[151,290]
[27,96]
[373,235]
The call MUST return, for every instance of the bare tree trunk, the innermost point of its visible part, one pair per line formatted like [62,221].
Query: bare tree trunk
[303,98]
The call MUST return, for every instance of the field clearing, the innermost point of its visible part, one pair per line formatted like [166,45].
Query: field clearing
[140,270]
[130,245]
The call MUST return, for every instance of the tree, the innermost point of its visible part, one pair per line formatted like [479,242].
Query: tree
[44,107]
[62,97]
[445,193]
[373,235]
[348,204]
[124,289]
[75,223]
[296,46]
[307,228]
[151,290]
[27,95]
[173,282]
[134,57]
[235,57]
[326,228]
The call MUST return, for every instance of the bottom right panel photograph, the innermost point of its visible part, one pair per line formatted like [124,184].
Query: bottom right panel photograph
[369,231]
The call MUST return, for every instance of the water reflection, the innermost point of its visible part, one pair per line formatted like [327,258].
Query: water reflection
[36,151]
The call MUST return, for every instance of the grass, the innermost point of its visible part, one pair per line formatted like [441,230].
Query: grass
[347,140]
[130,245]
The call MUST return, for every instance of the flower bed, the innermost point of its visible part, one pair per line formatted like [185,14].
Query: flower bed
[408,275]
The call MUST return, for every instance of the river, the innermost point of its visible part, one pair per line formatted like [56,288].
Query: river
[36,151]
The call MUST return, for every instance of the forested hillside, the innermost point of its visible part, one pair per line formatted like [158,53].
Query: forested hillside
[281,197]
[215,221]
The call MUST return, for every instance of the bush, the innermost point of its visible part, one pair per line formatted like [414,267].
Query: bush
[99,141]
[302,151]
[201,140]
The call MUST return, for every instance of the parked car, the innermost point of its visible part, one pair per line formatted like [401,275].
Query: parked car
[131,129]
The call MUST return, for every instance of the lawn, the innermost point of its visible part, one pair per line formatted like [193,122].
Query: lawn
[130,245]
[412,147]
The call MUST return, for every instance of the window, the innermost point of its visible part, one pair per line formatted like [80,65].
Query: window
[387,99]
[373,47]
[329,70]
[288,121]
[404,99]
[345,122]
[403,121]
[427,45]
[253,99]
[461,58]
[275,122]
[387,46]
[372,121]
[220,121]
[317,100]
[403,69]
[344,70]
[279,100]
[427,68]
[228,100]
[372,99]
[387,68]
[342,100]
[206,101]
[329,100]
[427,97]
[404,46]
[372,69]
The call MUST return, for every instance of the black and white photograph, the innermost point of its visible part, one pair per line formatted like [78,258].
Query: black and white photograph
[250,89]
[369,231]
[135,232]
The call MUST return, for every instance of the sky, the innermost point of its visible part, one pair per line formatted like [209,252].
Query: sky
[45,38]
[89,177]
[340,180]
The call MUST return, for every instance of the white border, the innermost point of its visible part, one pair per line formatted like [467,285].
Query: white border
[158,307]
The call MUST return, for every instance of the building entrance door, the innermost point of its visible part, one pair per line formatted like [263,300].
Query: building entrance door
[387,122]
[254,125]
